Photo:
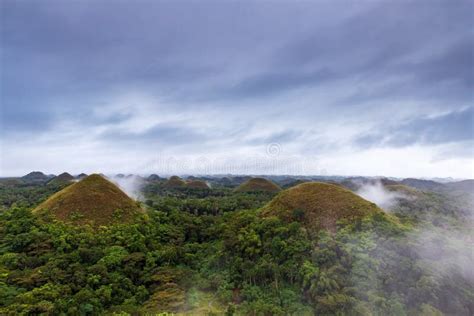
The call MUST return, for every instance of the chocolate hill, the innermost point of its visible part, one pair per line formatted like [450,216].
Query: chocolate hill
[63,178]
[319,205]
[175,182]
[197,184]
[154,177]
[258,185]
[93,200]
[35,176]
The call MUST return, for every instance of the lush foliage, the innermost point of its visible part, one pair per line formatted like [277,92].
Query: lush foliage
[211,252]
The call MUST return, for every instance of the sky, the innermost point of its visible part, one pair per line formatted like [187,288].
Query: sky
[366,87]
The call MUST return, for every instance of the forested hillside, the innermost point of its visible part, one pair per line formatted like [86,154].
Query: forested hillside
[219,251]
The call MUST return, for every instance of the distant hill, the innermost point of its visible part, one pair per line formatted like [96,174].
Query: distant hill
[35,176]
[63,178]
[197,184]
[465,185]
[154,177]
[175,182]
[93,200]
[422,184]
[294,183]
[319,205]
[238,180]
[456,188]
[355,183]
[225,181]
[404,190]
[81,176]
[218,181]
[258,185]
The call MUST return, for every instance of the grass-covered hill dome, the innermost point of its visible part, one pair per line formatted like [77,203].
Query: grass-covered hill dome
[258,185]
[319,205]
[81,176]
[197,184]
[153,177]
[175,182]
[61,179]
[93,200]
[35,176]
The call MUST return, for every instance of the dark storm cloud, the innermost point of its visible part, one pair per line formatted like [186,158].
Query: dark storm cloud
[86,46]
[270,83]
[22,120]
[455,64]
[456,126]
[163,134]
[446,77]
[67,61]
[286,136]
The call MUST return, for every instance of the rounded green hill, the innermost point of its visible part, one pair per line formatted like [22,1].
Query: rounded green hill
[175,182]
[197,184]
[63,178]
[258,185]
[153,177]
[319,205]
[93,200]
[35,176]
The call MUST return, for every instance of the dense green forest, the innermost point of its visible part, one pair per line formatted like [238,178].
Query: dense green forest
[211,252]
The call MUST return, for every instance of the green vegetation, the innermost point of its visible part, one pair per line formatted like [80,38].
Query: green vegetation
[258,185]
[222,252]
[25,194]
[407,191]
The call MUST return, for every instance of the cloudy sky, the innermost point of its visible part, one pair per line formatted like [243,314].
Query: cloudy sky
[320,87]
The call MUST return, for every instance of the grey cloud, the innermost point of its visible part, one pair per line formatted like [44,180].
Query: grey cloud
[415,49]
[277,82]
[62,61]
[196,51]
[161,134]
[15,121]
[289,135]
[456,64]
[464,149]
[443,79]
[456,126]
[109,119]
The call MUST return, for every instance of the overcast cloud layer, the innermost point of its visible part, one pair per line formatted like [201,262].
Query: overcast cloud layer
[320,87]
